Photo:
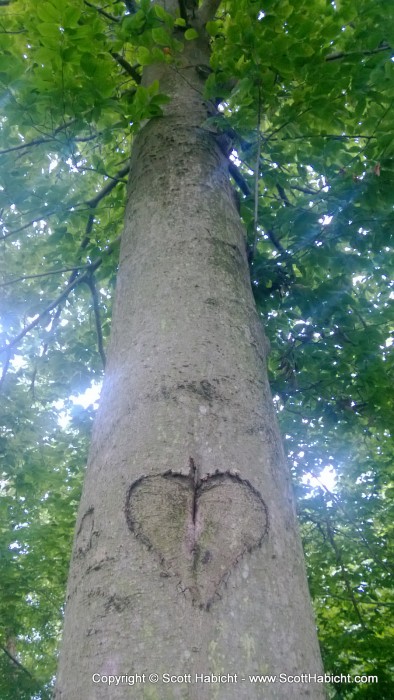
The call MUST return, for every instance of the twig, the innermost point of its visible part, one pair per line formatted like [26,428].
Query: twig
[37,142]
[102,12]
[10,656]
[77,280]
[91,203]
[45,312]
[348,587]
[305,190]
[43,274]
[367,52]
[256,179]
[5,369]
[17,31]
[362,537]
[376,603]
[334,137]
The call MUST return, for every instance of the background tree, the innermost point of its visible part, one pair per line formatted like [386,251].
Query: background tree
[316,198]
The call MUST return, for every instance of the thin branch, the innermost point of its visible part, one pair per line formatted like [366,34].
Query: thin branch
[257,178]
[91,203]
[96,307]
[131,70]
[62,297]
[305,190]
[37,142]
[109,187]
[344,571]
[54,324]
[43,274]
[5,368]
[368,52]
[358,530]
[33,221]
[276,243]
[283,195]
[268,137]
[78,279]
[112,18]
[17,31]
[10,656]
[375,603]
[334,137]
[208,10]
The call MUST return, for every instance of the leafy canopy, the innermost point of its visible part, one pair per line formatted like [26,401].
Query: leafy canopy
[305,93]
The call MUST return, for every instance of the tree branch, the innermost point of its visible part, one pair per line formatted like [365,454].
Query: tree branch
[240,181]
[96,308]
[78,279]
[345,575]
[10,656]
[37,142]
[283,195]
[368,52]
[112,18]
[17,31]
[62,297]
[4,371]
[91,203]
[43,274]
[109,187]
[276,243]
[256,179]
[131,70]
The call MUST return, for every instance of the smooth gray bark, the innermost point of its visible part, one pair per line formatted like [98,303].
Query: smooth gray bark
[187,558]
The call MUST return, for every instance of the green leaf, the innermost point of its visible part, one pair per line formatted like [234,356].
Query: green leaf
[163,15]
[143,56]
[48,13]
[191,34]
[160,36]
[71,16]
[212,28]
[49,30]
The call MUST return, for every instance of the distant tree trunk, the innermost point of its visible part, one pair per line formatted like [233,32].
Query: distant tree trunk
[187,558]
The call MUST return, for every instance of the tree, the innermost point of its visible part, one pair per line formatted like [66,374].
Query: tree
[185,413]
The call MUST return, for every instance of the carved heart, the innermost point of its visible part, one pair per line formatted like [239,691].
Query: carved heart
[199,529]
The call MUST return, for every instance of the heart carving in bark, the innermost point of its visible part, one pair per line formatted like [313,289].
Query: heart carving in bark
[198,528]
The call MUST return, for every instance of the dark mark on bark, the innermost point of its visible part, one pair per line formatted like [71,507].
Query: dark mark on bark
[85,532]
[204,389]
[118,603]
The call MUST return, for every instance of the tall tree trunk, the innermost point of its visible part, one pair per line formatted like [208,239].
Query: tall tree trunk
[187,558]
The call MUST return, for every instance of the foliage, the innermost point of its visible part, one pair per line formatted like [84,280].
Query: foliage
[316,198]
